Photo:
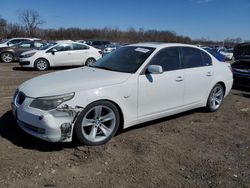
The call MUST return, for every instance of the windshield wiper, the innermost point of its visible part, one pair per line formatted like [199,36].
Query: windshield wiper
[100,67]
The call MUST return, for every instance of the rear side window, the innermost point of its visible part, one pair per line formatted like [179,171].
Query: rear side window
[191,57]
[63,47]
[27,44]
[168,58]
[80,47]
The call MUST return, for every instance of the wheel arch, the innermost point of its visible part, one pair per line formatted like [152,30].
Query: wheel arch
[118,108]
[85,63]
[223,85]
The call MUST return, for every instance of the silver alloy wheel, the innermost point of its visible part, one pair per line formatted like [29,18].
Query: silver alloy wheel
[98,123]
[216,97]
[7,57]
[41,64]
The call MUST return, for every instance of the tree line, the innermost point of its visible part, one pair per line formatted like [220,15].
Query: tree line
[30,22]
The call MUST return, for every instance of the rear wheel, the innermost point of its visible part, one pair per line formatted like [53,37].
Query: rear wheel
[41,64]
[7,57]
[97,123]
[90,61]
[215,98]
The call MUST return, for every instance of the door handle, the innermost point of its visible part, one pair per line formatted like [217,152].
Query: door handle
[179,79]
[209,74]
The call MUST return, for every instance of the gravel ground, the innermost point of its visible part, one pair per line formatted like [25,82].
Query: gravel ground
[192,149]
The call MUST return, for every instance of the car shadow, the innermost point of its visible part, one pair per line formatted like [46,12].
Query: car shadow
[12,132]
[244,91]
[50,69]
[168,118]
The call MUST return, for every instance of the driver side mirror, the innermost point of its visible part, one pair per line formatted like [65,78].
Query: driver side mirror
[8,44]
[155,69]
[53,51]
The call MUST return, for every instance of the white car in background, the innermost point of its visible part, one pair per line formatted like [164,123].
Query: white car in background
[61,53]
[134,84]
[13,41]
[228,53]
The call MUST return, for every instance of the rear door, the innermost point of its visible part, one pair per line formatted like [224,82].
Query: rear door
[198,74]
[81,53]
[23,47]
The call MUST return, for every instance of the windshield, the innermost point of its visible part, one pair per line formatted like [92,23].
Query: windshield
[125,59]
[46,46]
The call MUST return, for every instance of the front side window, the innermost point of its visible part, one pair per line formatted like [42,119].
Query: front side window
[168,58]
[191,57]
[14,41]
[125,59]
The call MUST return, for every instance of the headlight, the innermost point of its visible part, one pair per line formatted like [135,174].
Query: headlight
[28,55]
[49,103]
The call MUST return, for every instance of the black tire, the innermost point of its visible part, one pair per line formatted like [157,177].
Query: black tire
[111,125]
[7,57]
[41,64]
[90,61]
[212,105]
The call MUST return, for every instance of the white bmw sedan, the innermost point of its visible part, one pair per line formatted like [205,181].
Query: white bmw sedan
[61,53]
[135,84]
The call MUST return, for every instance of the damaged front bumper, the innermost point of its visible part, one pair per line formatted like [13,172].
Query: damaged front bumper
[53,126]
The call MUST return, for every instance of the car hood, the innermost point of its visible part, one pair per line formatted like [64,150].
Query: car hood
[242,52]
[71,80]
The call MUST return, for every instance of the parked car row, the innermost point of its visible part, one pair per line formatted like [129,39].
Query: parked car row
[38,54]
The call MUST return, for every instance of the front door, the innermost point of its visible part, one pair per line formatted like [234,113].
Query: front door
[163,92]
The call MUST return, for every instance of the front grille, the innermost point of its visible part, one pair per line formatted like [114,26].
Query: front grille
[20,98]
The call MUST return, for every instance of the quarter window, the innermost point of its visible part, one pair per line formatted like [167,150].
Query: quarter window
[207,61]
[168,58]
[191,57]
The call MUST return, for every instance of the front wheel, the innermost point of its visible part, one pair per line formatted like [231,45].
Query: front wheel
[97,123]
[215,98]
[41,64]
[7,57]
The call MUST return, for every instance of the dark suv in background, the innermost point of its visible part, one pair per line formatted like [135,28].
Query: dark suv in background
[10,54]
[241,66]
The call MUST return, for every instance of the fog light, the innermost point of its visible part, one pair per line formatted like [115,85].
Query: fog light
[66,130]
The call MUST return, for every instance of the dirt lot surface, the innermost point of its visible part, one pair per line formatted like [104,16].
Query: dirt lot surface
[192,149]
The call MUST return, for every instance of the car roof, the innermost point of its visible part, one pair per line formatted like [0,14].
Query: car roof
[160,44]
[24,38]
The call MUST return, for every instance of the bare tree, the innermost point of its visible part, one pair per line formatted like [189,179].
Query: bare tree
[3,24]
[31,20]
